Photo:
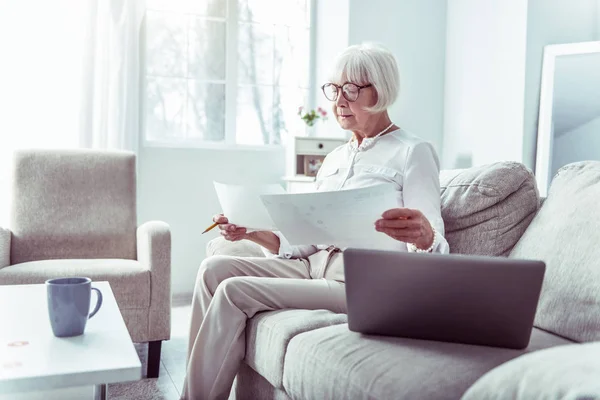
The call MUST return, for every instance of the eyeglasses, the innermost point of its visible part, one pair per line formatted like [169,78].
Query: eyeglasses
[350,91]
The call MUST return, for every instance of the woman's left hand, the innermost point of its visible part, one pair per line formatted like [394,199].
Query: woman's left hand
[406,225]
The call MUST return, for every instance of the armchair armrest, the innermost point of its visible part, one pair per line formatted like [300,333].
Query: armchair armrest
[5,237]
[154,251]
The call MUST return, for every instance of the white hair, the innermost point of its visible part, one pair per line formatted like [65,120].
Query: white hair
[370,63]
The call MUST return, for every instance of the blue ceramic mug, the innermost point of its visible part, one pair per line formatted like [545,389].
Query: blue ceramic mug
[69,305]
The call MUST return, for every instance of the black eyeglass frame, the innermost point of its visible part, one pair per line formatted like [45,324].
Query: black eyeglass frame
[338,87]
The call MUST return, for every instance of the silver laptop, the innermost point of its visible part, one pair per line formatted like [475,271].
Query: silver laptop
[478,300]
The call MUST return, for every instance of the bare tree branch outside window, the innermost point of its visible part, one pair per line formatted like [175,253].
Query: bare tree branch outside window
[186,74]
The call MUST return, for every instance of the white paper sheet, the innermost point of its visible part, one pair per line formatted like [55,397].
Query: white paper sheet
[344,218]
[242,205]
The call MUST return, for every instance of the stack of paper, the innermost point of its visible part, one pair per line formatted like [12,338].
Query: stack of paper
[242,205]
[344,218]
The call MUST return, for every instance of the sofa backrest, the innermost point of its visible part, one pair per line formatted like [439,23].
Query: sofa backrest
[73,204]
[565,234]
[486,209]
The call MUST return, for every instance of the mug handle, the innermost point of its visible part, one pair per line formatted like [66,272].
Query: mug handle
[98,302]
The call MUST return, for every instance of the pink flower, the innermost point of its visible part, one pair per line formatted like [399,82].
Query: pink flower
[300,110]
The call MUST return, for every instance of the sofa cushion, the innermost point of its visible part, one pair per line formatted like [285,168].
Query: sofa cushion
[129,280]
[335,363]
[486,209]
[566,235]
[250,385]
[563,372]
[268,335]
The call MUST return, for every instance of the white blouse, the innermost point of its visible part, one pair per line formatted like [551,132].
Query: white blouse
[400,158]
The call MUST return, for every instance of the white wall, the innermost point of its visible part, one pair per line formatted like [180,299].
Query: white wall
[551,22]
[175,186]
[494,53]
[484,81]
[580,144]
[332,39]
[414,31]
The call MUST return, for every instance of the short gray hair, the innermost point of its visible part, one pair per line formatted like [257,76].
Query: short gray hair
[370,63]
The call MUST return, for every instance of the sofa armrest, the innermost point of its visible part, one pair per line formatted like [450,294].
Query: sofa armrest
[154,251]
[568,371]
[446,175]
[5,237]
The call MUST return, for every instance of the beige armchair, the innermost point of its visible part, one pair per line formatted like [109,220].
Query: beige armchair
[74,213]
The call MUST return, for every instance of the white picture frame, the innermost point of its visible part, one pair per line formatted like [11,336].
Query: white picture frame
[545,137]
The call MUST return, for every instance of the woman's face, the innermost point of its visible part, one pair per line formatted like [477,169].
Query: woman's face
[352,115]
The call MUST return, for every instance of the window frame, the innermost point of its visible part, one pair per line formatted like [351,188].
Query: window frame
[231,89]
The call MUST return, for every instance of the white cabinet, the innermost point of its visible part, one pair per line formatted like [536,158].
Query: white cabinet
[304,157]
[299,184]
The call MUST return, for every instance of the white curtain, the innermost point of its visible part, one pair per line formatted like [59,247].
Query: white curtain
[69,77]
[110,103]
[40,47]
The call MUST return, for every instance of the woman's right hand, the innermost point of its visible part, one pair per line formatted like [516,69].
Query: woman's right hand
[230,232]
[234,233]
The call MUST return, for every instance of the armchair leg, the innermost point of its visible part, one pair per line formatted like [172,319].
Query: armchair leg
[153,359]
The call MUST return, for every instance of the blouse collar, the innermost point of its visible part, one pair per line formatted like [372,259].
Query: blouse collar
[367,142]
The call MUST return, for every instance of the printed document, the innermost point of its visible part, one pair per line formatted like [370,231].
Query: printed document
[242,205]
[344,218]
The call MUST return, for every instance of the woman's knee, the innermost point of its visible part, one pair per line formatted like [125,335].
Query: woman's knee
[232,285]
[213,270]
[214,262]
[235,289]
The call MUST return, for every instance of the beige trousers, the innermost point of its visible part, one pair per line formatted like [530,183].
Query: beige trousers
[229,290]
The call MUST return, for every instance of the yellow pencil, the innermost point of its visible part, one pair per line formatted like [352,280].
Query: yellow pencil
[210,227]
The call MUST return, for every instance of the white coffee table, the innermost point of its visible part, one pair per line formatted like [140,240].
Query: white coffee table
[34,364]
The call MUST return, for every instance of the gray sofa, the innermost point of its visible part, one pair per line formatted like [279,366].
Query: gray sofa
[491,210]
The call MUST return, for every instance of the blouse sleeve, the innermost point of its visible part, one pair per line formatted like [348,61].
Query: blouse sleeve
[421,189]
[286,250]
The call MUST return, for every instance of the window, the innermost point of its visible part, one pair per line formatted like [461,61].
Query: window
[225,71]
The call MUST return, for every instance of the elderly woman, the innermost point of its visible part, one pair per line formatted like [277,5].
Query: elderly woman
[229,290]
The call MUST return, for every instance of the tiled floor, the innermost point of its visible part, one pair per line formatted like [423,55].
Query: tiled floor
[172,370]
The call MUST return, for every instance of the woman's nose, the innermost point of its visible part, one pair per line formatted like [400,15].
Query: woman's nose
[341,100]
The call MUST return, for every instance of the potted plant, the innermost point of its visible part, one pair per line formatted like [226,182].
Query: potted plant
[310,117]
